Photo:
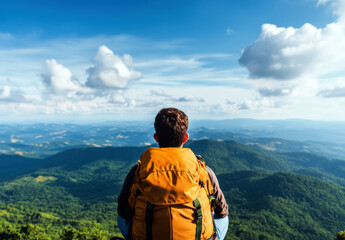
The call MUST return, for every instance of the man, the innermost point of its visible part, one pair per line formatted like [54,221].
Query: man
[167,195]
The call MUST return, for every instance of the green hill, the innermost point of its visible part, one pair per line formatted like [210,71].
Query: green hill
[314,165]
[14,165]
[79,186]
[282,206]
[227,156]
[76,158]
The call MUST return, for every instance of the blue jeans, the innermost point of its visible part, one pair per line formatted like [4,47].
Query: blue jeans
[221,226]
[124,228]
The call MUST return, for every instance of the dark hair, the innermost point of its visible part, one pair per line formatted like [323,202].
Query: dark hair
[171,126]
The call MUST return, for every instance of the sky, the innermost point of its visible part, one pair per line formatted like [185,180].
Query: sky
[91,61]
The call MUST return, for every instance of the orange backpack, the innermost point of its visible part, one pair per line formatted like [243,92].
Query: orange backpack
[171,197]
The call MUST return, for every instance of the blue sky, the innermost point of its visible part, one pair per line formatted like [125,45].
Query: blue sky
[72,61]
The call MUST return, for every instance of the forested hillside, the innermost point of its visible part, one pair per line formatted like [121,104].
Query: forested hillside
[78,189]
[282,206]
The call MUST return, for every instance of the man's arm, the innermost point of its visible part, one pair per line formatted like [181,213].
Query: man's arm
[122,199]
[221,208]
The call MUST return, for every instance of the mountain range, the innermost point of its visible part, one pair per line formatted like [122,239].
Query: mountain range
[44,140]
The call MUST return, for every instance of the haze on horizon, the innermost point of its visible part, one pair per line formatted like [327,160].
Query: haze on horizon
[62,61]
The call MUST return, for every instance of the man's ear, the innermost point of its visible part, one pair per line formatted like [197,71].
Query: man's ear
[186,137]
[155,137]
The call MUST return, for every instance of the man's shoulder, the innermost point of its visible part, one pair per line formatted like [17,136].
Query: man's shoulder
[132,171]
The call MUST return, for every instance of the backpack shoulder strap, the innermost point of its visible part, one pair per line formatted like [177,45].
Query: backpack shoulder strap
[211,198]
[198,212]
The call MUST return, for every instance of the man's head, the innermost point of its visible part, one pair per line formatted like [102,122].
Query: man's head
[171,127]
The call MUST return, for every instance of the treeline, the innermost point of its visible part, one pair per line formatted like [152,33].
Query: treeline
[68,222]
[33,232]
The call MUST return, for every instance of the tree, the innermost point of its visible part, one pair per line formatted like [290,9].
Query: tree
[84,234]
[340,236]
[27,232]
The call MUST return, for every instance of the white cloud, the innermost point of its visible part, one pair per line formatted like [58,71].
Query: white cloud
[229,31]
[63,81]
[172,64]
[190,99]
[287,53]
[5,92]
[321,2]
[118,98]
[331,87]
[337,5]
[274,92]
[198,70]
[111,71]
[159,93]
[107,80]
[58,79]
[8,95]
[199,83]
[170,98]
[333,93]
[257,104]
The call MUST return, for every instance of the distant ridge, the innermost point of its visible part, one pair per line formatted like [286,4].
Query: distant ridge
[75,158]
[13,165]
[291,129]
[221,156]
[225,156]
